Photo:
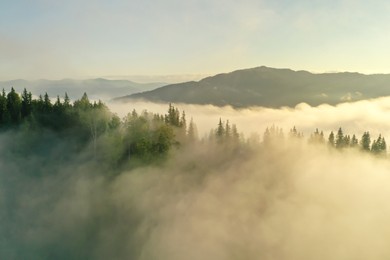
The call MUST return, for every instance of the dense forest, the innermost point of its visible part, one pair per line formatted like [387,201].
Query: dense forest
[78,182]
[140,138]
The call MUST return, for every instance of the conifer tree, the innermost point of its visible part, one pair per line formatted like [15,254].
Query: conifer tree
[83,103]
[46,103]
[331,141]
[58,106]
[3,108]
[14,106]
[183,121]
[220,130]
[340,141]
[365,142]
[192,131]
[173,116]
[235,135]
[227,130]
[66,101]
[354,141]
[383,146]
[347,141]
[26,108]
[379,146]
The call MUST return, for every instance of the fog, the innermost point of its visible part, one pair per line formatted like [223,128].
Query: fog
[354,117]
[288,200]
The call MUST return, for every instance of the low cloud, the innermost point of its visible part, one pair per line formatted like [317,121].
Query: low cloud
[289,200]
[353,117]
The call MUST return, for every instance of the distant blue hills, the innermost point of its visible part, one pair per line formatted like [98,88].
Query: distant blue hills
[95,88]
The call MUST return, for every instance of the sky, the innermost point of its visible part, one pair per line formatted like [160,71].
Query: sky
[153,39]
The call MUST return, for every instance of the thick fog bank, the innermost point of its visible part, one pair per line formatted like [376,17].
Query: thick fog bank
[288,200]
[355,117]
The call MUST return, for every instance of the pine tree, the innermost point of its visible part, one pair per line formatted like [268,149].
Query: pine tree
[331,141]
[183,121]
[58,106]
[365,141]
[66,101]
[383,146]
[354,141]
[192,131]
[173,116]
[235,135]
[47,103]
[14,105]
[340,142]
[347,141]
[220,130]
[227,130]
[3,109]
[379,146]
[26,104]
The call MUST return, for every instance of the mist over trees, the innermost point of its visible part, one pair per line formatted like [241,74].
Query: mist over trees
[78,182]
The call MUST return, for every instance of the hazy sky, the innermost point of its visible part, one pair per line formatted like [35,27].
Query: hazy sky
[85,38]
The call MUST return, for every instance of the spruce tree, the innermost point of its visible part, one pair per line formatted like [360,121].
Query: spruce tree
[227,130]
[66,101]
[26,104]
[354,141]
[340,139]
[331,141]
[235,135]
[220,130]
[192,131]
[365,141]
[3,108]
[14,105]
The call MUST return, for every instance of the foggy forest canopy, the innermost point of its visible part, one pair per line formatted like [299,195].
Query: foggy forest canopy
[79,182]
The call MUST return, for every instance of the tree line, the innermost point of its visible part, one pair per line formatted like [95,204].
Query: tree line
[140,137]
[340,140]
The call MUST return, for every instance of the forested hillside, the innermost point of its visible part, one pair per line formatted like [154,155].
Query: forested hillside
[270,87]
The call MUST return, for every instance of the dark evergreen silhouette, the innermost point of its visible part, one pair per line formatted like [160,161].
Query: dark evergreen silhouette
[365,142]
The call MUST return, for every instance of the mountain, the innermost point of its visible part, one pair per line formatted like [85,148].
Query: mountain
[95,88]
[270,87]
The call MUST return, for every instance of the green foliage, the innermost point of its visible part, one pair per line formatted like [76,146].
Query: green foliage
[3,109]
[354,142]
[331,141]
[144,138]
[140,138]
[14,106]
[378,146]
[26,108]
[192,132]
[365,141]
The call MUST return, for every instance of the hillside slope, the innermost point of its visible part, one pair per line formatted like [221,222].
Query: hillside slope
[263,86]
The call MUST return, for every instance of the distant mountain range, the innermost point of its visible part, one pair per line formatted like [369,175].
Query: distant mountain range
[95,88]
[270,87]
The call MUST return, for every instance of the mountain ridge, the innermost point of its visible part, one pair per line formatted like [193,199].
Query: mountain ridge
[271,87]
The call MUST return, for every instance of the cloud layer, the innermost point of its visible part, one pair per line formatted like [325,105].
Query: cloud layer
[354,117]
